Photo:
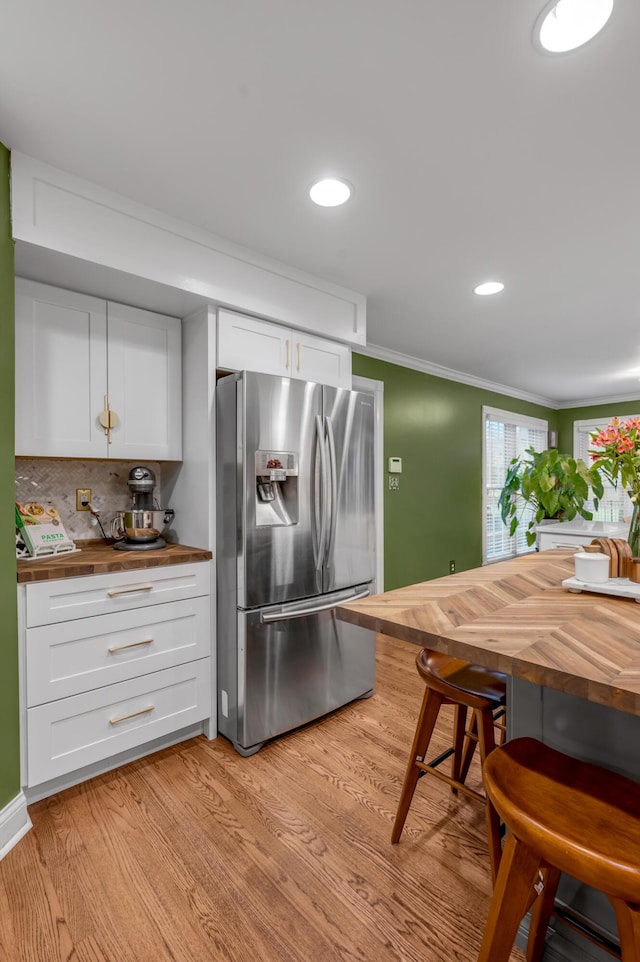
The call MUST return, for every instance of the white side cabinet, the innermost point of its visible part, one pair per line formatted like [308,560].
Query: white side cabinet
[573,534]
[246,343]
[79,358]
[111,662]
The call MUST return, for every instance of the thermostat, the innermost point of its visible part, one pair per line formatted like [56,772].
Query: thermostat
[395,465]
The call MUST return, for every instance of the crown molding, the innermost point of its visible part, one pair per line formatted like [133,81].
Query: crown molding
[593,402]
[427,367]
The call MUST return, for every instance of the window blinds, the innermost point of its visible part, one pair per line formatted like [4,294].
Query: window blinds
[506,436]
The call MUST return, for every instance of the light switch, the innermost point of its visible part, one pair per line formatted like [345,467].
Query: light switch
[395,465]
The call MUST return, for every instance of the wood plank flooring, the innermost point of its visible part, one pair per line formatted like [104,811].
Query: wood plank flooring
[195,853]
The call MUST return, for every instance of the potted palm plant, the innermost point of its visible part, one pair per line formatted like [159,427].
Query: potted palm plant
[554,486]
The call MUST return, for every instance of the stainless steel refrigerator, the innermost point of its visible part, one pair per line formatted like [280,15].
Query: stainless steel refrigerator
[295,538]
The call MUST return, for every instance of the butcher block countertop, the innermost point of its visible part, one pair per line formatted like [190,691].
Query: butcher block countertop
[97,558]
[516,617]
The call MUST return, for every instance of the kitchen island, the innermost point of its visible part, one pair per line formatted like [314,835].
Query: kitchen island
[573,662]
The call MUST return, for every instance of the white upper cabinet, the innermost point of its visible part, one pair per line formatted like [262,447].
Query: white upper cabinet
[249,344]
[95,379]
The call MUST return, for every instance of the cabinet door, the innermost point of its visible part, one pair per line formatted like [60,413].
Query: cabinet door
[247,344]
[145,389]
[61,372]
[321,360]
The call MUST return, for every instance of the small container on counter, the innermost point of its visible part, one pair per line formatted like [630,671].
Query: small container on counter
[633,570]
[592,565]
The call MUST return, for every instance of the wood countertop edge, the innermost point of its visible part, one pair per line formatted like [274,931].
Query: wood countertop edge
[607,693]
[98,558]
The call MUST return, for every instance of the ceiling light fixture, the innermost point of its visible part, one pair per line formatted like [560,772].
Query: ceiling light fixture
[566,24]
[330,192]
[489,287]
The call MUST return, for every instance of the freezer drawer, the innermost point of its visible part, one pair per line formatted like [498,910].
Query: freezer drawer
[290,668]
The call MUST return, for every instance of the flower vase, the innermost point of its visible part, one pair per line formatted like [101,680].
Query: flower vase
[634,532]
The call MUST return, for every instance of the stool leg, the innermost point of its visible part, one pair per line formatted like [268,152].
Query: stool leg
[486,742]
[469,748]
[459,728]
[431,704]
[518,870]
[628,919]
[541,913]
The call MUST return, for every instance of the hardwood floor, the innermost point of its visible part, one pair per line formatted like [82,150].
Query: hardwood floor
[195,853]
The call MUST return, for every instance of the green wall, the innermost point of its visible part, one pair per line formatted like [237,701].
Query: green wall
[435,426]
[9,716]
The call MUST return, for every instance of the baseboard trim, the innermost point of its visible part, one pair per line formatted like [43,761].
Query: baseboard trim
[14,823]
[62,782]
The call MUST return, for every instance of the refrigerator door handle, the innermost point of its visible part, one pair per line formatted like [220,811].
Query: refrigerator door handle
[320,505]
[333,475]
[286,615]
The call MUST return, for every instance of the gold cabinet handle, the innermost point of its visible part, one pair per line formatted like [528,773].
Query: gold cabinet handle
[128,590]
[144,711]
[134,644]
[298,350]
[108,418]
[286,363]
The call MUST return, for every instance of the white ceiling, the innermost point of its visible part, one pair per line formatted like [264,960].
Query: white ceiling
[473,155]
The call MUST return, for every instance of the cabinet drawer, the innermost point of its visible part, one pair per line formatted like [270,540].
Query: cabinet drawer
[73,732]
[563,541]
[76,656]
[49,602]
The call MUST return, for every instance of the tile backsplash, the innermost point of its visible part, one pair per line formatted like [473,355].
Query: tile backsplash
[40,479]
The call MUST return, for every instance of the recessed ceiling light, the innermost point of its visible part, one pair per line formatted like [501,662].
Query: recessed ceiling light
[566,24]
[330,192]
[489,287]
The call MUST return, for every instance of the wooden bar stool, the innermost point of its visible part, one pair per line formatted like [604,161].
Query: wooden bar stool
[563,815]
[450,681]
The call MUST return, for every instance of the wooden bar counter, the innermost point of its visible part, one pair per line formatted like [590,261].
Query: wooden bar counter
[515,616]
[573,662]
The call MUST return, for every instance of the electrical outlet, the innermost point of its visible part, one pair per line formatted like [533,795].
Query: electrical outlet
[83,499]
[394,482]
[452,567]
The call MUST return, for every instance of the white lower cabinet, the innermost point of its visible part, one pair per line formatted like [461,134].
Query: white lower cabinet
[111,662]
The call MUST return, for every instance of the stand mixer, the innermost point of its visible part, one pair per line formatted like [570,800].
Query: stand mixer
[141,525]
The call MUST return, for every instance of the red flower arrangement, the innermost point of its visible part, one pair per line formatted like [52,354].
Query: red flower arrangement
[617,454]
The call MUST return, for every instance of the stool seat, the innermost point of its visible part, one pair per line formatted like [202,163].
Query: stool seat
[563,815]
[460,679]
[451,681]
[574,814]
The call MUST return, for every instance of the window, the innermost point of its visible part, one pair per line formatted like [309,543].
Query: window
[615,504]
[506,436]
